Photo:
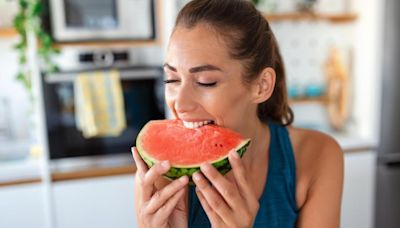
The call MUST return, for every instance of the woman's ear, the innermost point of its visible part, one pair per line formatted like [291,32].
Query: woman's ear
[264,85]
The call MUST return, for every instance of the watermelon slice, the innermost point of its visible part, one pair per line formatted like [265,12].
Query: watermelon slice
[187,148]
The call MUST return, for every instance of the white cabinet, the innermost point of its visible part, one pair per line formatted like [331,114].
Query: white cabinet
[97,202]
[22,206]
[359,190]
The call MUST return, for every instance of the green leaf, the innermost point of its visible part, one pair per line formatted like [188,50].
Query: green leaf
[22,59]
[23,4]
[20,76]
[36,9]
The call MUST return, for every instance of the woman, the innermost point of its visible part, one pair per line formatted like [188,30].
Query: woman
[223,65]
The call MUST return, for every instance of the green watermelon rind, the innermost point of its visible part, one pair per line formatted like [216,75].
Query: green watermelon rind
[222,164]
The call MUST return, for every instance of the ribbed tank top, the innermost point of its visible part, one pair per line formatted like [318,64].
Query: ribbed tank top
[278,207]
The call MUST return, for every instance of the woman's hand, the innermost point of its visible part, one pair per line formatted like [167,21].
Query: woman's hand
[159,207]
[226,203]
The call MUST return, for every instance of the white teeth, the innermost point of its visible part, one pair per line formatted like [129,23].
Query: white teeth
[186,124]
[196,124]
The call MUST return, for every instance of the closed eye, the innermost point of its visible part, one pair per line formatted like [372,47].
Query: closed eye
[170,81]
[207,84]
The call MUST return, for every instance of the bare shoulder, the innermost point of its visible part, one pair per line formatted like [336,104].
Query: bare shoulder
[313,144]
[318,156]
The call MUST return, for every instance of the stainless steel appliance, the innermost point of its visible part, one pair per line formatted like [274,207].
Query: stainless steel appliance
[387,205]
[83,20]
[143,97]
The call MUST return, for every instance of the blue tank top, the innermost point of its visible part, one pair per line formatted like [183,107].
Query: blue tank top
[278,208]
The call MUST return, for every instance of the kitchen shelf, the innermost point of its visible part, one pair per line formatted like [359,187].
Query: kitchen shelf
[8,32]
[109,44]
[297,16]
[309,100]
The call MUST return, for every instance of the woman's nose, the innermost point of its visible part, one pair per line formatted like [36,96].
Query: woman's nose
[185,102]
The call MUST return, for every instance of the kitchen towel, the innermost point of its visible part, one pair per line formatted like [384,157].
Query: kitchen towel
[99,104]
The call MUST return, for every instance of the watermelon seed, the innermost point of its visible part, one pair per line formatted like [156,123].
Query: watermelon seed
[220,145]
[216,145]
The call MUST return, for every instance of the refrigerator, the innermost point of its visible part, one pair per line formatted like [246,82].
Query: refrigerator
[387,200]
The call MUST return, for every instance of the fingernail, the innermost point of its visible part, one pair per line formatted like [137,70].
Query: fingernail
[165,164]
[196,176]
[205,167]
[183,179]
[235,154]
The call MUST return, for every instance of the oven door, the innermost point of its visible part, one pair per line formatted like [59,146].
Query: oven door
[88,20]
[143,98]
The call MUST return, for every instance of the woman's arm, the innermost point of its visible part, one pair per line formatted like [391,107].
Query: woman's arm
[323,202]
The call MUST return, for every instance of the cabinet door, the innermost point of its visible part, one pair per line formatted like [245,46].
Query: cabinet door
[22,206]
[358,192]
[98,202]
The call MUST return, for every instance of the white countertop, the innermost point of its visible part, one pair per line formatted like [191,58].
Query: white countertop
[15,170]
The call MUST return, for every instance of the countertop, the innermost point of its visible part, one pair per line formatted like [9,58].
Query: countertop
[13,172]
[28,170]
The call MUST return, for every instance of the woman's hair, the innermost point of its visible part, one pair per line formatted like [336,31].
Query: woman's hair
[250,39]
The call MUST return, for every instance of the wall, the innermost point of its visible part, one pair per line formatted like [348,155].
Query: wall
[16,95]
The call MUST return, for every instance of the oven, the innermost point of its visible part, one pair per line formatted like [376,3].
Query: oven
[142,88]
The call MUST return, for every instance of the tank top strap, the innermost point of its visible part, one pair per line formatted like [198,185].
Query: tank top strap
[281,177]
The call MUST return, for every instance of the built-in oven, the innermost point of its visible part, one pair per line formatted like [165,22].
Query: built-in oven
[142,90]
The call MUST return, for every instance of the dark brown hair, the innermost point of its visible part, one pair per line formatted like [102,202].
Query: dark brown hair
[249,38]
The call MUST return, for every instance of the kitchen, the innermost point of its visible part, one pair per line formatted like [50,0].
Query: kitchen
[68,187]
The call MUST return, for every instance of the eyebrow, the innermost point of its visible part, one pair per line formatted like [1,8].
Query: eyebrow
[197,69]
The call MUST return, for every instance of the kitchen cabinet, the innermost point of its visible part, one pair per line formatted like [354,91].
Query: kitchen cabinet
[358,191]
[22,206]
[102,202]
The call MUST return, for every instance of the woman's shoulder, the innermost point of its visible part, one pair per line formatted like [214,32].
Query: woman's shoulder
[307,142]
[317,156]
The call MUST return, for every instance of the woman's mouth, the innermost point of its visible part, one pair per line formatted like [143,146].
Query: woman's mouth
[197,124]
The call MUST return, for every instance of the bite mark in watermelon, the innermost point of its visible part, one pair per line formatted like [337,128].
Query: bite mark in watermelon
[186,149]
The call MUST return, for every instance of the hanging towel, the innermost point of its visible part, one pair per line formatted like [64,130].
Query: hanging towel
[99,104]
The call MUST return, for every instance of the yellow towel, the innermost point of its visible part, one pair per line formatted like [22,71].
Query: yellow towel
[99,104]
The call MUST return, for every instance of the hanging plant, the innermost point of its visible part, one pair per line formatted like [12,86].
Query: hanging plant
[28,20]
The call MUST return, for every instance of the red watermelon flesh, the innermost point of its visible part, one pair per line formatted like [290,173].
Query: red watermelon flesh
[187,148]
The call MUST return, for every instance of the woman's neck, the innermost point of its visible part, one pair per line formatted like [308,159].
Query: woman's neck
[257,152]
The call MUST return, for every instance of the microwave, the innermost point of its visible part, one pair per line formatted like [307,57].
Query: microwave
[102,20]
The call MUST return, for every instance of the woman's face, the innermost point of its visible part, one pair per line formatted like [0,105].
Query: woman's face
[203,83]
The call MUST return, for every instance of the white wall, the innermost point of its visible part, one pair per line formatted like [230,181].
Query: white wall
[368,61]
[13,91]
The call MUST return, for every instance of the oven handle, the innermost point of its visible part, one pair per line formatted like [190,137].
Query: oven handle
[136,74]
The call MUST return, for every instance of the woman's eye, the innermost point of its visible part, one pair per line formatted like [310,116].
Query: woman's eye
[170,81]
[207,84]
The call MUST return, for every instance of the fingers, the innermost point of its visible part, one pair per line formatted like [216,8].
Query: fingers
[212,216]
[165,211]
[140,164]
[151,176]
[160,197]
[223,186]
[213,198]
